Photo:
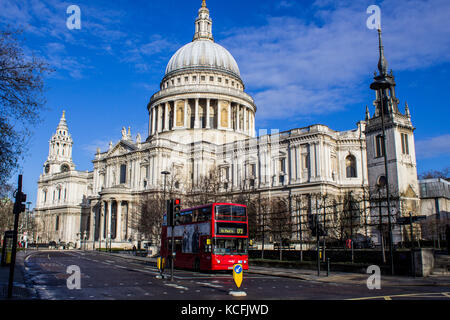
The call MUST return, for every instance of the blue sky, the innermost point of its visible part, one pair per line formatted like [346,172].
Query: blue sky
[304,62]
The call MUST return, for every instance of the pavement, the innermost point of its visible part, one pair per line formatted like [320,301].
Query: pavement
[22,291]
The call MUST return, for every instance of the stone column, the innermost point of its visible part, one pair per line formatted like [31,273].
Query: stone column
[119,222]
[208,104]
[291,163]
[319,159]
[103,213]
[166,116]
[160,118]
[230,125]
[186,114]
[92,224]
[153,120]
[196,121]
[238,115]
[312,160]
[174,114]
[108,230]
[219,116]
[245,121]
[297,160]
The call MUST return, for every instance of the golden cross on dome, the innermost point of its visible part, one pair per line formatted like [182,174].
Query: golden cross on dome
[204,4]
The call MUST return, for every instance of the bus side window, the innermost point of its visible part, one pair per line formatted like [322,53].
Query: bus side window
[204,214]
[195,215]
[178,245]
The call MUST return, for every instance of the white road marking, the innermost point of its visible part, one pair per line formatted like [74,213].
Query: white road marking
[210,284]
[176,286]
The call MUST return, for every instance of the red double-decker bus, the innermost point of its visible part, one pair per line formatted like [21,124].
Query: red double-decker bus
[208,237]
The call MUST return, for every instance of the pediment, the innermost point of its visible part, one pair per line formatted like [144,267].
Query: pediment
[409,193]
[122,147]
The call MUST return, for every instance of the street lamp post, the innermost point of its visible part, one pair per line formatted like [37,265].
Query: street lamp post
[166,173]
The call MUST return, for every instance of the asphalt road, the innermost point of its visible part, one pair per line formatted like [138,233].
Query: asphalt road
[105,277]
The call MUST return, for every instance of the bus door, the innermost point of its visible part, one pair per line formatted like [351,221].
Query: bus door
[205,250]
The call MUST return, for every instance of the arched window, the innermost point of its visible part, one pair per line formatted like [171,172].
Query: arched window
[350,165]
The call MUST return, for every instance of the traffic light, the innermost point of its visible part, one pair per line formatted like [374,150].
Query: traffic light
[169,213]
[173,211]
[176,209]
[19,204]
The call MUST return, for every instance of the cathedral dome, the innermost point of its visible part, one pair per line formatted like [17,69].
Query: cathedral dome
[203,54]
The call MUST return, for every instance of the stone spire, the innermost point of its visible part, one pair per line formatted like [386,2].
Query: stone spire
[407,113]
[367,113]
[62,122]
[203,24]
[60,149]
[382,62]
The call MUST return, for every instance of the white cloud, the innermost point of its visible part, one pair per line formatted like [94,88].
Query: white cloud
[294,66]
[433,147]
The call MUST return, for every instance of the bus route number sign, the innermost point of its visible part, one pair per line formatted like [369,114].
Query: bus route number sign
[225,230]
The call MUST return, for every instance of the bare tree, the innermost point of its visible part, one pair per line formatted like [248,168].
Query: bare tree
[207,189]
[21,99]
[443,174]
[148,216]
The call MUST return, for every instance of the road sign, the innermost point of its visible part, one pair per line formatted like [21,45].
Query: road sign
[238,274]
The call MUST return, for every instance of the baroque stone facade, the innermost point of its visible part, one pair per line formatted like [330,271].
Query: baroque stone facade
[202,119]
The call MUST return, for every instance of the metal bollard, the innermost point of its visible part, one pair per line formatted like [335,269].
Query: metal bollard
[328,267]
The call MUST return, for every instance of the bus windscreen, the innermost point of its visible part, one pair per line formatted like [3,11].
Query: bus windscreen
[230,246]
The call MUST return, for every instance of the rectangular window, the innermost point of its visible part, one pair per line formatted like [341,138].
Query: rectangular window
[405,146]
[123,173]
[211,79]
[253,170]
[282,165]
[57,223]
[305,161]
[379,146]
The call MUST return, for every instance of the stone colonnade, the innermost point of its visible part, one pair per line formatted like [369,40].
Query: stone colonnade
[206,113]
[110,219]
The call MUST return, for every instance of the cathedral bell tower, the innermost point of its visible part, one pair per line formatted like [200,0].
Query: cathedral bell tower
[390,144]
[60,150]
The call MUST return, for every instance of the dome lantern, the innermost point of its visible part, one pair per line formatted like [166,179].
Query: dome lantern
[203,24]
